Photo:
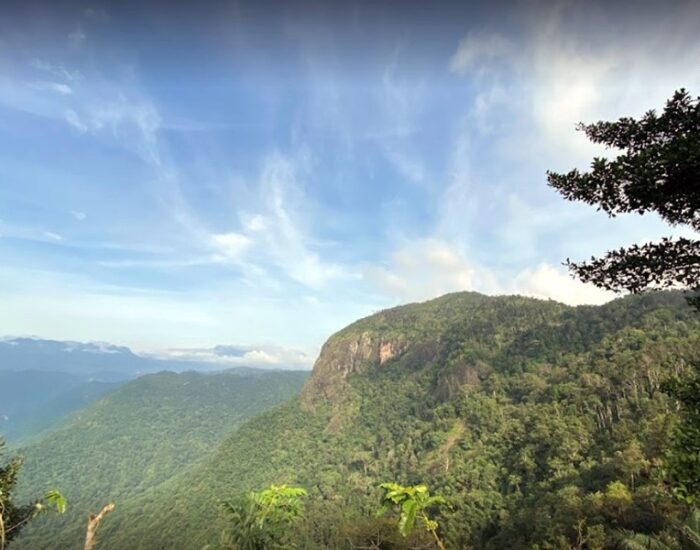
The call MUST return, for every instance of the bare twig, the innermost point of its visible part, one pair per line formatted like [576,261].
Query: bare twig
[93,522]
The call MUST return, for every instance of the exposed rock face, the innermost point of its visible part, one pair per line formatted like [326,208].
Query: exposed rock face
[345,354]
[386,352]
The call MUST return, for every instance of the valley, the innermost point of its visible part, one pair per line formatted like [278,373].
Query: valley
[531,418]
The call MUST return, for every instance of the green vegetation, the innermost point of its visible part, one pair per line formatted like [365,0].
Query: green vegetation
[684,455]
[15,517]
[138,437]
[413,503]
[542,425]
[35,401]
[263,519]
[657,171]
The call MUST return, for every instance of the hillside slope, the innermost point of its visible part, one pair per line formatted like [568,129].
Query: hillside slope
[542,425]
[139,436]
[34,401]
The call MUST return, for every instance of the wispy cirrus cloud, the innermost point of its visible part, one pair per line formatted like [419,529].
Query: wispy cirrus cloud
[281,228]
[275,168]
[58,87]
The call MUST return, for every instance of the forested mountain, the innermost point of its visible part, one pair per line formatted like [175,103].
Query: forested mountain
[32,401]
[544,426]
[139,436]
[22,354]
[43,381]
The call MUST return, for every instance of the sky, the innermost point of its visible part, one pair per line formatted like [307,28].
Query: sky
[257,175]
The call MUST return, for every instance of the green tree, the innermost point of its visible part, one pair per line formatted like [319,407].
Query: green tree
[629,540]
[413,503]
[13,516]
[684,458]
[262,520]
[657,171]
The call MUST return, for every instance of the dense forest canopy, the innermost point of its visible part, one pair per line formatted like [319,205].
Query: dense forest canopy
[658,171]
[141,435]
[540,424]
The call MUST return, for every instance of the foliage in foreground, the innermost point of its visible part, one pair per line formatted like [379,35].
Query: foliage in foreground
[263,519]
[413,503]
[657,171]
[14,517]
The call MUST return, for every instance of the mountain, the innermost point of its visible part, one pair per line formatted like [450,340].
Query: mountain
[33,401]
[541,424]
[98,360]
[106,360]
[43,381]
[140,435]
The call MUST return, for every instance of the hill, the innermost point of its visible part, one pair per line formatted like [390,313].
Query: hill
[43,381]
[34,401]
[139,436]
[35,354]
[543,425]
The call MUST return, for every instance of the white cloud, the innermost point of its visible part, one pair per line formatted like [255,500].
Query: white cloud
[402,101]
[424,269]
[255,224]
[57,87]
[428,268]
[547,281]
[28,232]
[97,14]
[59,71]
[280,227]
[73,119]
[459,202]
[133,121]
[567,68]
[527,94]
[52,236]
[230,246]
[88,102]
[224,356]
[408,166]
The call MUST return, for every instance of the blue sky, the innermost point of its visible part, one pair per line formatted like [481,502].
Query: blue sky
[261,174]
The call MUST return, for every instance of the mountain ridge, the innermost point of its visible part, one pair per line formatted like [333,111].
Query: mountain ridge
[519,411]
[140,435]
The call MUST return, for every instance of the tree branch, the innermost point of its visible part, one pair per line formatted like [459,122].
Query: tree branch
[93,522]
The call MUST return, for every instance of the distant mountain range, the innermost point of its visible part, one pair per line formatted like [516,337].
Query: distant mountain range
[139,436]
[102,361]
[43,381]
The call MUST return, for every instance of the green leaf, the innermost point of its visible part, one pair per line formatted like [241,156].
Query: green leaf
[56,500]
[408,517]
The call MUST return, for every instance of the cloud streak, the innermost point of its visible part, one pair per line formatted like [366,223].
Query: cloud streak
[273,177]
